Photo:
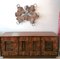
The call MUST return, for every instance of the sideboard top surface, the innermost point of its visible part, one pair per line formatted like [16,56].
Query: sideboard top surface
[28,34]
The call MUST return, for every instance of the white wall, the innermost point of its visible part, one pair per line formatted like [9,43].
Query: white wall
[48,10]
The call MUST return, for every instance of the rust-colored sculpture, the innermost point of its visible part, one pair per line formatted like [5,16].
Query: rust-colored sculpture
[28,14]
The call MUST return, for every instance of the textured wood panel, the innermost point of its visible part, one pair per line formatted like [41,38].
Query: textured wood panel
[23,46]
[34,46]
[49,46]
[9,46]
[29,46]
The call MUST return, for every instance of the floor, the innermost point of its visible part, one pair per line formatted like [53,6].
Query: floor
[31,58]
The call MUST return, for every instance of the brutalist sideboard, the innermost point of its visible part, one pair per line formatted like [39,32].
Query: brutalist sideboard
[29,44]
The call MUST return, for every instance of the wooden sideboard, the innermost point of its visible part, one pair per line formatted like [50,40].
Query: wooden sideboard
[29,44]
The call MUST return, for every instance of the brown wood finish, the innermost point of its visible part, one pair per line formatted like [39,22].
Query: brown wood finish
[29,44]
[28,34]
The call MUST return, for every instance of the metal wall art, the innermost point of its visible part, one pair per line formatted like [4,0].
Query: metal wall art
[28,13]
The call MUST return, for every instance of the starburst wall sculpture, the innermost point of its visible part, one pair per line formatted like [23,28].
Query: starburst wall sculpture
[28,13]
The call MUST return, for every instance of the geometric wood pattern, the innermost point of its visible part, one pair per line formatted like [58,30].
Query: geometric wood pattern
[49,45]
[23,46]
[9,46]
[29,46]
[34,46]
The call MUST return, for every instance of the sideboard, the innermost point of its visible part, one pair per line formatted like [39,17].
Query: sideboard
[29,44]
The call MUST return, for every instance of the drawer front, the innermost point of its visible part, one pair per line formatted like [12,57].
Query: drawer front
[23,46]
[34,46]
[49,46]
[9,46]
[29,46]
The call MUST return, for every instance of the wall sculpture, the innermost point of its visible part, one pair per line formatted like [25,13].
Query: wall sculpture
[28,13]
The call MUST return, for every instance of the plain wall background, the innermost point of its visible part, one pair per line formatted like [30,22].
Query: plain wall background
[47,9]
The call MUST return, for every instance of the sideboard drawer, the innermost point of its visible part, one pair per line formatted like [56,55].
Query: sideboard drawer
[34,46]
[23,46]
[9,46]
[29,46]
[49,46]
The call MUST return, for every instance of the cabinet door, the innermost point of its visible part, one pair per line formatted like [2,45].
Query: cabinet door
[34,46]
[23,46]
[9,46]
[49,46]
